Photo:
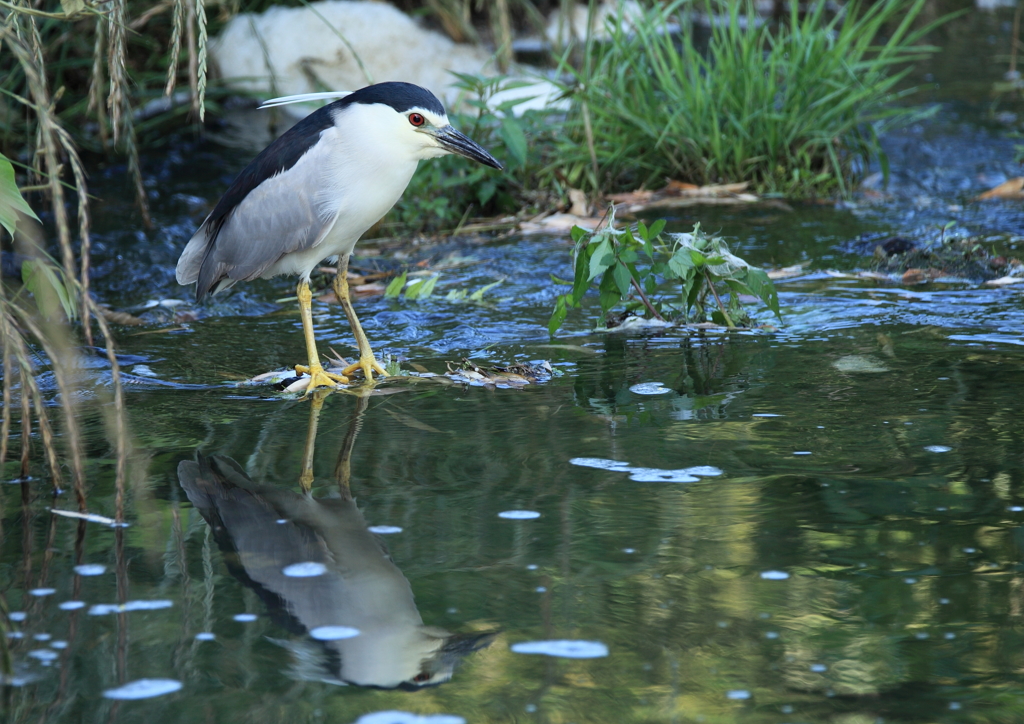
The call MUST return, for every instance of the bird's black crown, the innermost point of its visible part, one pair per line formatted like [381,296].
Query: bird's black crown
[398,95]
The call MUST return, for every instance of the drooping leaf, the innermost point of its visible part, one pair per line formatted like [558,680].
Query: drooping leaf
[478,295]
[557,316]
[656,228]
[622,278]
[47,286]
[599,261]
[11,201]
[763,287]
[395,286]
[515,140]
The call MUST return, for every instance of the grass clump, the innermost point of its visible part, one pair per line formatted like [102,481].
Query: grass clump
[794,109]
[682,278]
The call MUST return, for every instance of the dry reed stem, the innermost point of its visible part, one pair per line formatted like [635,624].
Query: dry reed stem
[117,50]
[120,423]
[5,426]
[193,55]
[30,392]
[201,80]
[58,360]
[172,68]
[96,82]
[501,25]
[82,190]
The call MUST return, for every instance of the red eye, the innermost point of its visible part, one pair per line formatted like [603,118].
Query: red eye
[416,119]
[421,677]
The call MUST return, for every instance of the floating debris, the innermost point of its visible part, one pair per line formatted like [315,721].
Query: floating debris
[143,689]
[519,514]
[564,648]
[512,376]
[677,194]
[306,569]
[333,633]
[649,475]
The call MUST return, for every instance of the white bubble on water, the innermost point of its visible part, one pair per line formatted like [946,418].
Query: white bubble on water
[90,569]
[58,644]
[384,529]
[766,414]
[650,388]
[404,717]
[704,471]
[949,636]
[772,635]
[802,452]
[44,655]
[656,475]
[333,633]
[599,463]
[567,649]
[40,592]
[774,575]
[143,689]
[244,617]
[519,514]
[818,668]
[17,615]
[540,589]
[205,636]
[954,705]
[737,694]
[910,581]
[42,637]
[1015,509]
[531,567]
[306,569]
[937,448]
[71,605]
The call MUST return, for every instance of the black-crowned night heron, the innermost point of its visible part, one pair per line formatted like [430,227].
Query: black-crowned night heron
[314,191]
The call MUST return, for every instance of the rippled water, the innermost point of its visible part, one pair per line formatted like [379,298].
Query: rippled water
[822,524]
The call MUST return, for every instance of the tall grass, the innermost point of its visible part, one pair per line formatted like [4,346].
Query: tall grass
[795,109]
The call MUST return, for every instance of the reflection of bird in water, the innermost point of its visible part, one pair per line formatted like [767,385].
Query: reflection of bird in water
[268,528]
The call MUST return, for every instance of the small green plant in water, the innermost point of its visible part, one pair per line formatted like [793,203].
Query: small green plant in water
[684,278]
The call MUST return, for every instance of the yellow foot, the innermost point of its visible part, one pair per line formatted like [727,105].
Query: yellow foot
[320,378]
[368,365]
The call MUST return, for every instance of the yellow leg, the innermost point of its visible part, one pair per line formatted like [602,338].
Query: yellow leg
[319,378]
[367,362]
[306,477]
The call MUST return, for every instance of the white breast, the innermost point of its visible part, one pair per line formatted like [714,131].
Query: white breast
[362,173]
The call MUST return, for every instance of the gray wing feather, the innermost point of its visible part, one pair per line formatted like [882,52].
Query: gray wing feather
[278,217]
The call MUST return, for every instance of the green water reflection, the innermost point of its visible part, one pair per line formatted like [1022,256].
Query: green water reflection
[904,591]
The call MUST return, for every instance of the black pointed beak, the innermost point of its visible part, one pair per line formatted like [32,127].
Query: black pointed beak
[458,143]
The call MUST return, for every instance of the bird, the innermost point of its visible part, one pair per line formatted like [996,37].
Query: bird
[311,194]
[265,529]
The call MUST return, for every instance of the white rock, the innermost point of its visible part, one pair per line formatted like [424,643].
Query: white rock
[298,43]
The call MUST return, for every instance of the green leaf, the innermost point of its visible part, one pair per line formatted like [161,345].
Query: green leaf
[697,258]
[656,228]
[478,295]
[557,316]
[762,287]
[609,300]
[598,263]
[394,287]
[622,279]
[421,288]
[561,282]
[46,284]
[681,263]
[515,140]
[629,256]
[577,233]
[11,201]
[642,228]
[71,7]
